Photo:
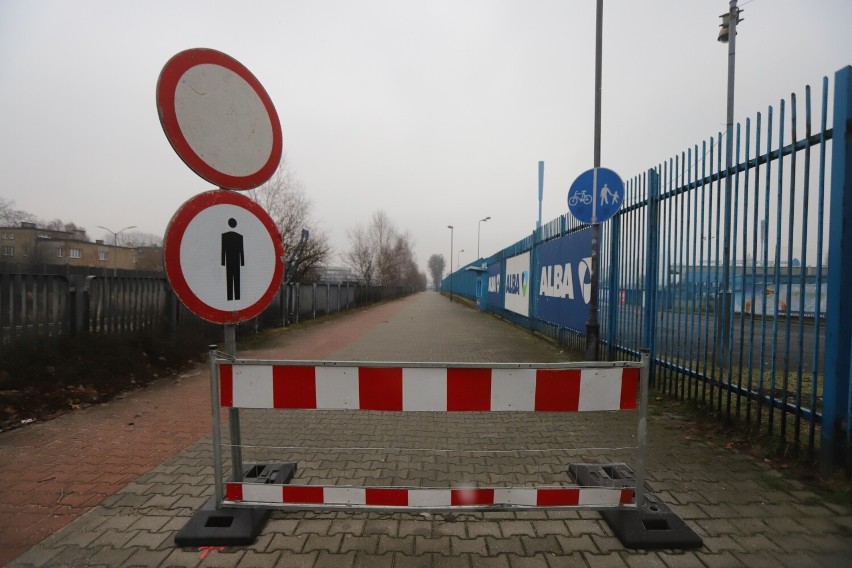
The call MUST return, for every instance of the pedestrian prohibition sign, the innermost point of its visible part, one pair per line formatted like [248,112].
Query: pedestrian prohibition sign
[223,256]
[596,195]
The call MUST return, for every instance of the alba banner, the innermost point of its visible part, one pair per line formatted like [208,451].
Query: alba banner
[517,284]
[495,284]
[566,280]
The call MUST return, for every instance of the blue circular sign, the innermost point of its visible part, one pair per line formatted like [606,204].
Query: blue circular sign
[596,195]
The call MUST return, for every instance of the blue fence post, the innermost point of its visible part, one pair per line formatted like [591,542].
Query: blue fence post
[612,296]
[652,248]
[835,437]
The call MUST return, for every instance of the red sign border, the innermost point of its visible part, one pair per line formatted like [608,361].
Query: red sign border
[167,84]
[174,271]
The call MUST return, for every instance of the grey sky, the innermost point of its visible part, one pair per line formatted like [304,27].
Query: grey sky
[436,112]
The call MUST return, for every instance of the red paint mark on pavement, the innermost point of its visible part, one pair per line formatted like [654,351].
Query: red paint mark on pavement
[206,550]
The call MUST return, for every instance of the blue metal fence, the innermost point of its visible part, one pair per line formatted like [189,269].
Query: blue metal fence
[770,346]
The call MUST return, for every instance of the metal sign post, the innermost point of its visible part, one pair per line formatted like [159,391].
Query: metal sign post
[234,413]
[219,493]
[594,197]
[592,327]
[223,254]
[599,205]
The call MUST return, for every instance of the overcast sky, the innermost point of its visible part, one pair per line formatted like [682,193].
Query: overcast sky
[436,112]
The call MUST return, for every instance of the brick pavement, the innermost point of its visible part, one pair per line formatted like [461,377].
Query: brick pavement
[747,514]
[51,473]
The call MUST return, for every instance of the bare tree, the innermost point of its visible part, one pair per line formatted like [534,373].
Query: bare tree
[11,217]
[140,239]
[59,225]
[380,254]
[135,239]
[306,245]
[382,234]
[436,268]
[360,257]
[371,255]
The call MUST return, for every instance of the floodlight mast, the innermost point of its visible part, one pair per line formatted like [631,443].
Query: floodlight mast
[728,34]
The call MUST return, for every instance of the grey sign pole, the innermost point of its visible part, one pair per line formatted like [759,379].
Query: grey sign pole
[217,430]
[234,413]
[592,326]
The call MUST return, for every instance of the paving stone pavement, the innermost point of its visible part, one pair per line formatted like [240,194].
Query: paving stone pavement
[747,514]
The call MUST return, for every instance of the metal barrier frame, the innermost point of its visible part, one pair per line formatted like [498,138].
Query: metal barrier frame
[637,517]
[216,361]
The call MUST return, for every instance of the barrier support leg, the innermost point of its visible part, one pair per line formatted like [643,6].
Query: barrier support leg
[214,525]
[650,524]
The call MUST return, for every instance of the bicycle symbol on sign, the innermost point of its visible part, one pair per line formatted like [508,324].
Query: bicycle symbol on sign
[580,196]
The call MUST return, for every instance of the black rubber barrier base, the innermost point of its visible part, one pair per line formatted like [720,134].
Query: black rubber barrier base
[602,475]
[651,526]
[231,526]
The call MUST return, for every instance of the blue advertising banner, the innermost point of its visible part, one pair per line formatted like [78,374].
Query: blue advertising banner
[566,280]
[495,285]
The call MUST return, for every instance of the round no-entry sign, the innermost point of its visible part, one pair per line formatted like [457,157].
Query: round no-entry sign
[219,119]
[223,256]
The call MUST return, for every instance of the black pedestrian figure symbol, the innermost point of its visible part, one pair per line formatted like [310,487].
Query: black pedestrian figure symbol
[232,259]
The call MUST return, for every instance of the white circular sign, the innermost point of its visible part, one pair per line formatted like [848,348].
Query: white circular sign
[219,119]
[223,120]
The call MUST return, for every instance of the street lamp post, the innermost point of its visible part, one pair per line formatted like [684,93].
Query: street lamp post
[458,258]
[478,230]
[728,34]
[450,227]
[115,245]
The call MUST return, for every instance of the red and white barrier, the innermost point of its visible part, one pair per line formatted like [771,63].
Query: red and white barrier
[438,389]
[425,498]
[446,387]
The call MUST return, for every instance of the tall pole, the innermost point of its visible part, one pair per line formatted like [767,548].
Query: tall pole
[592,326]
[540,190]
[450,227]
[478,230]
[724,335]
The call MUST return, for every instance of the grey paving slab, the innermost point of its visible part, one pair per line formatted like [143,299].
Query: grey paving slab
[747,513]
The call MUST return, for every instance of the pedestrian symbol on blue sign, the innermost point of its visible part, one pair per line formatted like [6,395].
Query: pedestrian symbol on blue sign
[596,195]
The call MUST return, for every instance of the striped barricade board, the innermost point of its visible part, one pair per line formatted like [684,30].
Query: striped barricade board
[425,498]
[393,387]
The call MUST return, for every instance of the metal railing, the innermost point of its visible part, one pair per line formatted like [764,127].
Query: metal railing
[53,305]
[769,348]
